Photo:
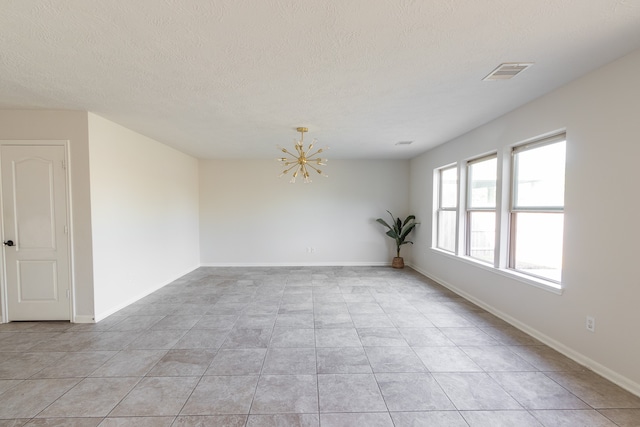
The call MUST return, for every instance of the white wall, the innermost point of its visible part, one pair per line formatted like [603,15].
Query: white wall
[71,126]
[248,216]
[601,114]
[144,199]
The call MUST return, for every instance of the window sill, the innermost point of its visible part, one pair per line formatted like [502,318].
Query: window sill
[548,286]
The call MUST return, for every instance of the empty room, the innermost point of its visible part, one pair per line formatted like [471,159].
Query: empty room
[319,213]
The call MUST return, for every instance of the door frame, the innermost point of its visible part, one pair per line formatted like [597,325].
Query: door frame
[4,303]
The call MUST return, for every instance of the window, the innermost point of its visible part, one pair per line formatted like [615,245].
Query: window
[537,208]
[481,208]
[447,208]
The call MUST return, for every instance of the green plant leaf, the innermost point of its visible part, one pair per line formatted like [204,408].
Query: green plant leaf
[409,218]
[382,221]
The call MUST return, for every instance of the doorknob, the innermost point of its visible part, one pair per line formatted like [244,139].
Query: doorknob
[8,243]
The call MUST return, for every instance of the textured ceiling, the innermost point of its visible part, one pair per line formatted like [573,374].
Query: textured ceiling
[233,78]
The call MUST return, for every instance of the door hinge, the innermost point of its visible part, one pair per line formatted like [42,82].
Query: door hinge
[66,230]
[68,293]
[64,167]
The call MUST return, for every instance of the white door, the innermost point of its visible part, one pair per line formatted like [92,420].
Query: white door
[35,233]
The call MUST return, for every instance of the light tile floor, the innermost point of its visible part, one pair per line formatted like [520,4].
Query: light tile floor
[329,346]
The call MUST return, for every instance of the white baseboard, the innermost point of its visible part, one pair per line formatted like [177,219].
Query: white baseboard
[297,264]
[150,290]
[611,375]
[83,319]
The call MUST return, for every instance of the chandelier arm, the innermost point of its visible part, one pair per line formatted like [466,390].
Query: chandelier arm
[287,170]
[316,153]
[314,168]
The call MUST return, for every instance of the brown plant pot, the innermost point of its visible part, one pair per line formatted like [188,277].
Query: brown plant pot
[397,262]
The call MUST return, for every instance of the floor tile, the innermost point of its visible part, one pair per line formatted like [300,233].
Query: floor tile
[202,338]
[210,421]
[248,338]
[595,390]
[220,321]
[183,362]
[176,322]
[412,392]
[429,418]
[157,340]
[69,341]
[425,337]
[156,396]
[7,384]
[497,359]
[329,320]
[290,361]
[14,366]
[572,418]
[381,337]
[240,361]
[286,394]
[409,320]
[372,321]
[475,391]
[63,422]
[292,337]
[337,337]
[468,336]
[623,417]
[371,419]
[446,359]
[350,393]
[500,419]
[111,341]
[137,422]
[546,359]
[92,397]
[21,342]
[298,346]
[342,360]
[283,420]
[535,390]
[295,320]
[508,335]
[28,398]
[218,395]
[136,323]
[394,359]
[73,365]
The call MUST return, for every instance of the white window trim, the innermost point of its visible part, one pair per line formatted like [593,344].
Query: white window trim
[503,210]
[546,285]
[512,209]
[468,210]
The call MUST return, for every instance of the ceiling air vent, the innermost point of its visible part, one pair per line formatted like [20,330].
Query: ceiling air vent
[404,142]
[508,70]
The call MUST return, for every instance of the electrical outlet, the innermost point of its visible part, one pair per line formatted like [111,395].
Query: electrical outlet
[591,324]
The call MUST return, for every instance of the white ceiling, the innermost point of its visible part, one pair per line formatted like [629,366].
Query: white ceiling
[233,78]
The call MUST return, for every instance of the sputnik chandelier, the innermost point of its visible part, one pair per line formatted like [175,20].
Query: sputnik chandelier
[302,160]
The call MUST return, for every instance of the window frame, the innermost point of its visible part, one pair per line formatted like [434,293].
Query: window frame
[453,209]
[515,210]
[469,209]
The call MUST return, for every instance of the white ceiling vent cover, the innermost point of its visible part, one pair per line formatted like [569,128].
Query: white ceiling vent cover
[508,70]
[404,142]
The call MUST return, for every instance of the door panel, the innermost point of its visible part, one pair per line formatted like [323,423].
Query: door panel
[34,211]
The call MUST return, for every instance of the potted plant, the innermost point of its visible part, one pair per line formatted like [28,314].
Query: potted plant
[399,232]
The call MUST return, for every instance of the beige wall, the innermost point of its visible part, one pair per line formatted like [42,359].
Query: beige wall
[600,279]
[144,199]
[250,217]
[71,126]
